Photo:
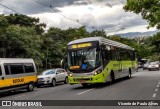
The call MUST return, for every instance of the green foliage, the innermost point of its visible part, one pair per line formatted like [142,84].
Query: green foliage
[155,57]
[20,42]
[98,33]
[149,9]
[19,38]
[23,20]
[155,41]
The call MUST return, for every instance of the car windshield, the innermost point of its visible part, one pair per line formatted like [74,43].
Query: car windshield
[84,58]
[48,72]
[154,63]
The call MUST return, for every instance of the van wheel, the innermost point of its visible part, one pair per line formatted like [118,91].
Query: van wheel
[66,80]
[53,83]
[30,87]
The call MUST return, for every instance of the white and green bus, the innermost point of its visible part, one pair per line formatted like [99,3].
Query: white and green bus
[99,60]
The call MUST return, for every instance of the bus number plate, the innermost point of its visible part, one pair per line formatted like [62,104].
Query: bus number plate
[82,81]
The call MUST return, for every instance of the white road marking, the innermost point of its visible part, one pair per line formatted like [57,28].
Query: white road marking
[156,90]
[154,95]
[19,96]
[85,91]
[157,85]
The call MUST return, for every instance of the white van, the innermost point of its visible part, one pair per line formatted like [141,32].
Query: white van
[16,73]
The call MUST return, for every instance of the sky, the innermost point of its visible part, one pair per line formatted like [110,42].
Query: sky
[94,14]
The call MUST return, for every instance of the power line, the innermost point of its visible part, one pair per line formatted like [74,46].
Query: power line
[50,6]
[15,11]
[56,10]
[10,9]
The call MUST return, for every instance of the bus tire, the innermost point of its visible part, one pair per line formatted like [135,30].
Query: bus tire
[53,83]
[30,87]
[112,77]
[129,74]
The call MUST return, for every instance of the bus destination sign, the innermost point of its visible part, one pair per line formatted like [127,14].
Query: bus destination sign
[83,45]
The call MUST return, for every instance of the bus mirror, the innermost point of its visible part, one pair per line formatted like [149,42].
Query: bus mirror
[64,62]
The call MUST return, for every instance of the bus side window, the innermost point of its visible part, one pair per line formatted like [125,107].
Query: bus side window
[106,53]
[114,53]
[29,68]
[6,69]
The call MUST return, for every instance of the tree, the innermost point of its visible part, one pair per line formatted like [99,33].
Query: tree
[21,42]
[23,20]
[155,41]
[149,9]
[98,33]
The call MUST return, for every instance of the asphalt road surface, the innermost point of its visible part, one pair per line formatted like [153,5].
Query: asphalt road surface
[144,85]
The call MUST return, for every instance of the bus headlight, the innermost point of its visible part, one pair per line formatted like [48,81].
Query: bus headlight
[97,71]
[70,75]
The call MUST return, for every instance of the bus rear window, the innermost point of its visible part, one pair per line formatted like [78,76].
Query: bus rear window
[29,68]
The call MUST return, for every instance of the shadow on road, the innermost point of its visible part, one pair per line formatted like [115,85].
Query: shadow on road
[49,86]
[21,91]
[101,85]
[11,93]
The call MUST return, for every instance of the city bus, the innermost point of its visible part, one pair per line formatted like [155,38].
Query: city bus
[99,60]
[17,74]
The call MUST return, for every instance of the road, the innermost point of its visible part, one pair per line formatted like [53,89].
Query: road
[144,85]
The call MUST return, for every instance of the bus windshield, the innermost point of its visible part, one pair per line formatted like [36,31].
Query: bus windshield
[84,59]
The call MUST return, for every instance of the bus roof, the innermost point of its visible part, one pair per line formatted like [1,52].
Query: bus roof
[14,60]
[101,41]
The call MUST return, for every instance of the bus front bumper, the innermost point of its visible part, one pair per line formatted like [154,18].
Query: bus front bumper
[90,80]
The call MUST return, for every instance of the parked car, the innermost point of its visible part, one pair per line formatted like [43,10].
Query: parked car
[52,76]
[154,65]
[146,65]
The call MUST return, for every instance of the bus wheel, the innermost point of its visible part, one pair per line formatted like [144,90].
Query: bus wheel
[30,87]
[84,84]
[129,74]
[112,77]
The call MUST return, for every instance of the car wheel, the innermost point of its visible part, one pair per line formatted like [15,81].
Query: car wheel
[53,82]
[66,80]
[30,87]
